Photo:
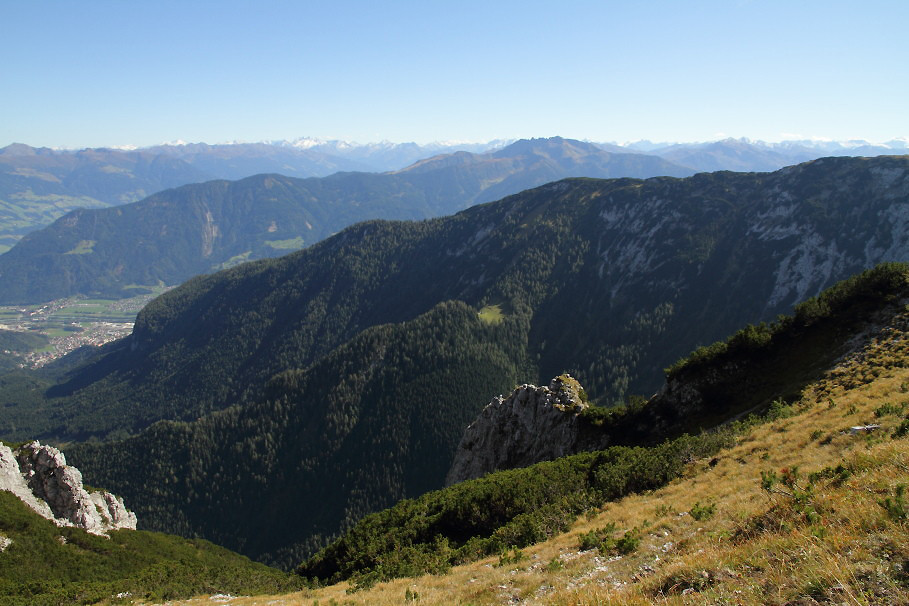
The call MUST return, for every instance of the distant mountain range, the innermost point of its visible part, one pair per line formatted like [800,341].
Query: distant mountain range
[311,157]
[195,229]
[37,185]
[387,156]
[746,155]
[331,155]
[338,379]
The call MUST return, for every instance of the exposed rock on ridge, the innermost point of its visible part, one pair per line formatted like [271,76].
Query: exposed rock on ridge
[532,424]
[40,477]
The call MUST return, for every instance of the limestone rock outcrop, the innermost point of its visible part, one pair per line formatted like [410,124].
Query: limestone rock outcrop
[39,476]
[532,424]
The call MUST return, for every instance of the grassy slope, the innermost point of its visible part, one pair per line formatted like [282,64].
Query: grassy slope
[839,543]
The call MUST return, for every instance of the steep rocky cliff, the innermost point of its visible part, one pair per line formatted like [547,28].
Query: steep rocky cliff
[532,424]
[39,476]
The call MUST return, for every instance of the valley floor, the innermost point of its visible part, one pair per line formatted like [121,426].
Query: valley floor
[803,510]
[73,322]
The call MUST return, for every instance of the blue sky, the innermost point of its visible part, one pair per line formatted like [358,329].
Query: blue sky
[105,73]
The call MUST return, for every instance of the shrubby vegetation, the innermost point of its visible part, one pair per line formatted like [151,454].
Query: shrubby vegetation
[501,511]
[45,564]
[767,365]
[838,308]
[605,541]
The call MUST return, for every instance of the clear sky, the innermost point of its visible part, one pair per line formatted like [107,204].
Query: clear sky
[106,73]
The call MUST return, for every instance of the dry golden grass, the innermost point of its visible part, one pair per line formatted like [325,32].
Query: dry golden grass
[839,546]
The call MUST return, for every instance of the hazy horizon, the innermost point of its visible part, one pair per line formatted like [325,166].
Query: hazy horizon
[656,144]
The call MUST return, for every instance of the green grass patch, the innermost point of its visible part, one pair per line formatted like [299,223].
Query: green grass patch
[235,260]
[93,310]
[290,244]
[85,309]
[84,247]
[492,314]
[55,332]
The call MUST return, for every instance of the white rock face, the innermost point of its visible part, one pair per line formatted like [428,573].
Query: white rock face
[11,479]
[40,477]
[532,424]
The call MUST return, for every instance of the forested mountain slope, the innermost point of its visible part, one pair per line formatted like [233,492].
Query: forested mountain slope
[368,424]
[613,280]
[176,234]
[44,564]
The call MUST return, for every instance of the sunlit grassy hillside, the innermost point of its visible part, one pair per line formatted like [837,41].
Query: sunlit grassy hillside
[801,510]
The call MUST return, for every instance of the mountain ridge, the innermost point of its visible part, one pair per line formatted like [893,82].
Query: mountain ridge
[179,233]
[33,193]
